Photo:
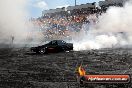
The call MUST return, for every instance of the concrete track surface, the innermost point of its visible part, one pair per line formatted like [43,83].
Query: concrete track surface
[22,69]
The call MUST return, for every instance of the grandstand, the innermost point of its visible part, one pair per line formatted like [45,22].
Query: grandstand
[66,22]
[70,8]
[107,3]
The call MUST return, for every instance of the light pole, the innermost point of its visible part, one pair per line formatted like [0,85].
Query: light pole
[75,2]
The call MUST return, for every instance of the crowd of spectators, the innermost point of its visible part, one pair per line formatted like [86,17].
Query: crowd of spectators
[66,24]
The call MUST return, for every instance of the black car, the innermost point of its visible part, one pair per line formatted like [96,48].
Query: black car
[53,46]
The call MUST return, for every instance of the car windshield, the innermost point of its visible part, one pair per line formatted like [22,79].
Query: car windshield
[54,42]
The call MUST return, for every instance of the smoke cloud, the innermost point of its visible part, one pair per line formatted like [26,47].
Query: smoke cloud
[13,26]
[113,29]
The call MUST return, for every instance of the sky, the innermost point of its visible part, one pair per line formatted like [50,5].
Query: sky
[35,7]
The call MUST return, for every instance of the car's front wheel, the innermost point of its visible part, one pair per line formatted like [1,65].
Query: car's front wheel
[43,51]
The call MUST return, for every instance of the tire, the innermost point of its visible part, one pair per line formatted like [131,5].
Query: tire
[43,51]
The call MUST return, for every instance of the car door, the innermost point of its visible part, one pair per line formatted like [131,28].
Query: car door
[61,45]
[52,46]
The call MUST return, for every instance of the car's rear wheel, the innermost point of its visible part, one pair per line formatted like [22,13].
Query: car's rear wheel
[43,51]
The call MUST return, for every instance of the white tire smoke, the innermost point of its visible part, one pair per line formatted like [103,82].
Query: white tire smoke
[114,29]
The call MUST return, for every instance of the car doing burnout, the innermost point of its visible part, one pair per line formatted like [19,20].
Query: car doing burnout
[53,46]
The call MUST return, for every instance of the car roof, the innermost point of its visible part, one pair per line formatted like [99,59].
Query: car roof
[57,40]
